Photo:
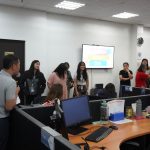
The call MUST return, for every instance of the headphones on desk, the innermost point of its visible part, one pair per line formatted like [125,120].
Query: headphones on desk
[86,145]
[103,148]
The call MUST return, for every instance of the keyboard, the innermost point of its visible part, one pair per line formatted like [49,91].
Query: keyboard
[99,134]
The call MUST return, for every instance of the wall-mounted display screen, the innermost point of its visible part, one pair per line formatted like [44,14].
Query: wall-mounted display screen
[97,56]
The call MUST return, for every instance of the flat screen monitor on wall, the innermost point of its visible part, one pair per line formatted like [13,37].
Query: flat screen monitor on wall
[97,56]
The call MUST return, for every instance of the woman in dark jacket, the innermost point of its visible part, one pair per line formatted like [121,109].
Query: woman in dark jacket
[32,83]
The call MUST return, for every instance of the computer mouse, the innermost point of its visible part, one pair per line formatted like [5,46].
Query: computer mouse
[113,127]
[148,116]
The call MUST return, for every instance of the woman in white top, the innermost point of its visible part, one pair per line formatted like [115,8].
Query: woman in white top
[81,81]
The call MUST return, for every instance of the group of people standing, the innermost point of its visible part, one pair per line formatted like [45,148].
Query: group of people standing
[142,77]
[31,85]
[63,76]
[32,82]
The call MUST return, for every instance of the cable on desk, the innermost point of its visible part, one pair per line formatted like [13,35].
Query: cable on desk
[98,147]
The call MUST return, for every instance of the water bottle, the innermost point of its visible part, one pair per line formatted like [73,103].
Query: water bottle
[138,108]
[104,111]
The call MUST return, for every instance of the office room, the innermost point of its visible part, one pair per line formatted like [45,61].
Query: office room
[53,36]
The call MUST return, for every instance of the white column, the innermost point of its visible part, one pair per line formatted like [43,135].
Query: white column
[140,31]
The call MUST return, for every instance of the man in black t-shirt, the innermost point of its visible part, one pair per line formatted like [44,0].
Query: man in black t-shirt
[125,76]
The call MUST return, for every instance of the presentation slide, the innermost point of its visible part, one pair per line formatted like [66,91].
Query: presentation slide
[96,56]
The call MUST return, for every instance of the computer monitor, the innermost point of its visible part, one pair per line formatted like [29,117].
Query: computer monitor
[126,91]
[99,86]
[76,111]
[138,91]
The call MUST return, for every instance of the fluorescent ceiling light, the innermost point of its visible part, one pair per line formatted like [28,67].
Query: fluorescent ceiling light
[69,5]
[125,15]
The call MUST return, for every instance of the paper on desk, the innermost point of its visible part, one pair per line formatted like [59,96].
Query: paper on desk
[115,106]
[122,121]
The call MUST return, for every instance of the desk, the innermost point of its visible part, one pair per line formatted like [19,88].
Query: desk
[113,141]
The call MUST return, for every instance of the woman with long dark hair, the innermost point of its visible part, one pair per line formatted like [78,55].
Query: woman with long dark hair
[81,81]
[110,91]
[55,94]
[59,75]
[141,76]
[32,82]
[145,62]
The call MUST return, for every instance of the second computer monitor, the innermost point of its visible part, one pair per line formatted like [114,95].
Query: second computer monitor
[76,110]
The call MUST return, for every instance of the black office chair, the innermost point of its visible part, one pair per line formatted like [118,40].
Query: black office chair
[130,145]
[148,148]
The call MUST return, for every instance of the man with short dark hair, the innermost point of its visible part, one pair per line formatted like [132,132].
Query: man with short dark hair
[8,94]
[125,76]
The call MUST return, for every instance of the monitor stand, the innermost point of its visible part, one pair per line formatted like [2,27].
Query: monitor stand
[76,130]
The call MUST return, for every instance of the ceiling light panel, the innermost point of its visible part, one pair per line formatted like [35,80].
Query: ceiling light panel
[69,5]
[125,15]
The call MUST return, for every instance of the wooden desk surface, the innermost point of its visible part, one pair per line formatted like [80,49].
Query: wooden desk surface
[113,141]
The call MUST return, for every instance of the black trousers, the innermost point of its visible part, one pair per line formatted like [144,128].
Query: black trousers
[4,132]
[35,99]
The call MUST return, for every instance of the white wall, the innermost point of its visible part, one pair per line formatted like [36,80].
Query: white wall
[67,34]
[54,38]
[133,52]
[146,45]
[144,48]
[21,24]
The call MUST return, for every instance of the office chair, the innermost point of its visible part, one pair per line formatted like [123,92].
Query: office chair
[130,145]
[148,148]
